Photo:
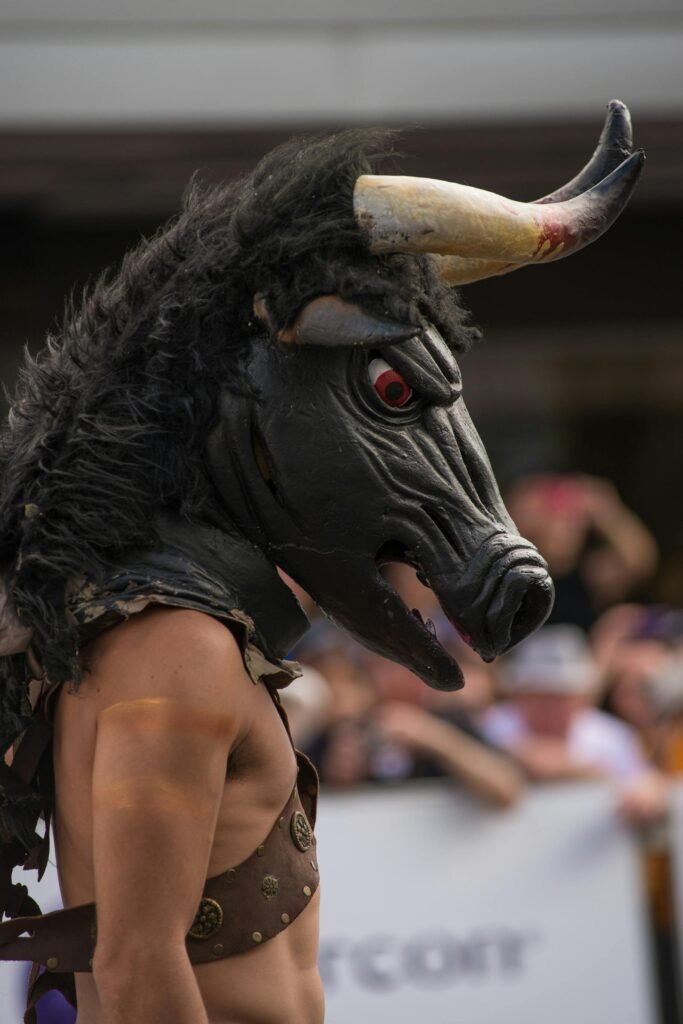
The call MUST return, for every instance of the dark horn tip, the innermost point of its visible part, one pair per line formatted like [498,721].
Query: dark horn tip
[618,186]
[634,163]
[617,133]
[628,168]
[615,143]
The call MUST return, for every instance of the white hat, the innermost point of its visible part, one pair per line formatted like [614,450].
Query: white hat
[556,659]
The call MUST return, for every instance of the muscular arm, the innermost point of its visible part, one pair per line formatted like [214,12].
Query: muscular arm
[173,703]
[628,553]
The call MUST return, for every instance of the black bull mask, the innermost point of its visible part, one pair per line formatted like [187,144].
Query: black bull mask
[359,449]
[344,476]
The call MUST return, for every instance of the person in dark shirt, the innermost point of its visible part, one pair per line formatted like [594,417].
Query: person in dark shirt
[386,726]
[598,551]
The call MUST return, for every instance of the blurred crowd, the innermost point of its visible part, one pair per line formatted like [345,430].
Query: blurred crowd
[596,693]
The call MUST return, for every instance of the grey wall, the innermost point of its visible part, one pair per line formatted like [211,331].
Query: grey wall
[79,62]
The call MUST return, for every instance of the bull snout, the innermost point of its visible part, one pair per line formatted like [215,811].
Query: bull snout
[522,601]
[500,597]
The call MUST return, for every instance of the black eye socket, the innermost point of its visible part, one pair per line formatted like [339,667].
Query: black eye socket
[389,384]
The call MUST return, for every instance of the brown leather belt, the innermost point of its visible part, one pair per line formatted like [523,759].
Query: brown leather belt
[240,909]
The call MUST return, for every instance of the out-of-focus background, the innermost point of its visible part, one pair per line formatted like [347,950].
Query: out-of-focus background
[510,852]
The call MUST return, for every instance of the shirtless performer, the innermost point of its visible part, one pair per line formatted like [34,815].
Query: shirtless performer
[143,797]
[271,381]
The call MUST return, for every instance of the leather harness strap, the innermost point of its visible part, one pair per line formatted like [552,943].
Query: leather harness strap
[240,908]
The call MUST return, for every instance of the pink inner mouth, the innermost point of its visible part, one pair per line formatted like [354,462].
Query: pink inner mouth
[465,637]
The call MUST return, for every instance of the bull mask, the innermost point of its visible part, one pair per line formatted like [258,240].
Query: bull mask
[359,449]
[372,458]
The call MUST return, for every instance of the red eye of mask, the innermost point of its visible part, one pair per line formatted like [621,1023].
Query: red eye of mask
[389,384]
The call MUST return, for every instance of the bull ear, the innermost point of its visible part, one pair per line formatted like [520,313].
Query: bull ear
[330,322]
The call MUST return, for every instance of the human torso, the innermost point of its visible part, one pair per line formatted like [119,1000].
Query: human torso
[260,776]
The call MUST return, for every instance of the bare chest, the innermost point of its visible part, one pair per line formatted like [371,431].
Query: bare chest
[260,775]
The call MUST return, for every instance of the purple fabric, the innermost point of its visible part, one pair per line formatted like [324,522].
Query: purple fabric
[54,1009]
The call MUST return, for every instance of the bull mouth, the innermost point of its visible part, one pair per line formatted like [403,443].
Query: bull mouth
[493,602]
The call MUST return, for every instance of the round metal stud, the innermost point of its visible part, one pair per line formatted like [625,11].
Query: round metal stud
[307,890]
[314,865]
[52,963]
[301,832]
[257,936]
[208,919]
[281,823]
[285,918]
[261,850]
[218,949]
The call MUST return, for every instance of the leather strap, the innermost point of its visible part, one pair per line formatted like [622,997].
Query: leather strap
[240,908]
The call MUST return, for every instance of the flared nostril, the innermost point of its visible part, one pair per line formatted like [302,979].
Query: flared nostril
[534,609]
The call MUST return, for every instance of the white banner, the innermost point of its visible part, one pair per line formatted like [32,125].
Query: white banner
[436,909]
[676,845]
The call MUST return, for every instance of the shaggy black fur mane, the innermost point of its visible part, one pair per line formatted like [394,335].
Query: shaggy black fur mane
[109,423]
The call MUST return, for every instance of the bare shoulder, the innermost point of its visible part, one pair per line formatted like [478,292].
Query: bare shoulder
[169,653]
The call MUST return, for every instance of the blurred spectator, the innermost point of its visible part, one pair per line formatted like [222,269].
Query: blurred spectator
[335,745]
[617,624]
[643,657]
[340,662]
[630,682]
[597,550]
[437,734]
[641,649]
[385,724]
[547,722]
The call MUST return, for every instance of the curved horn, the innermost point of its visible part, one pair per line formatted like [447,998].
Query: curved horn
[614,145]
[423,215]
